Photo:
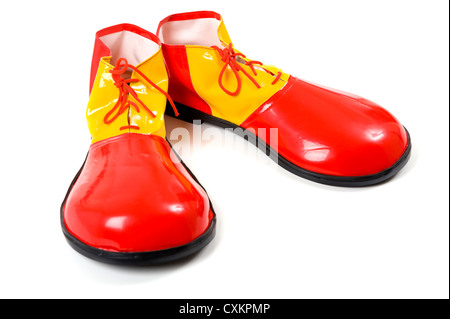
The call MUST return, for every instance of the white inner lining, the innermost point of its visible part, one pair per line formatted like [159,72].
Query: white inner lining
[129,45]
[191,32]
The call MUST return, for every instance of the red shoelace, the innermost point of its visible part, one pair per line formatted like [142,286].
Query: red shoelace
[229,56]
[123,103]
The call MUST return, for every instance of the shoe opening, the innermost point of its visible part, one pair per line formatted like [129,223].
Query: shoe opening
[186,30]
[130,46]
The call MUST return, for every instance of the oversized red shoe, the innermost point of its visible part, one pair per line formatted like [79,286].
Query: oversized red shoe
[324,135]
[133,202]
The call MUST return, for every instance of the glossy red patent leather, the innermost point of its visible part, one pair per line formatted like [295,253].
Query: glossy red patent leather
[131,197]
[330,132]
[181,87]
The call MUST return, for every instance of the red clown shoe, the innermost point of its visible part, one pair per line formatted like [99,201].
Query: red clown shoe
[133,202]
[324,135]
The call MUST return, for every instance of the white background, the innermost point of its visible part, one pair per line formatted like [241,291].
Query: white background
[278,236]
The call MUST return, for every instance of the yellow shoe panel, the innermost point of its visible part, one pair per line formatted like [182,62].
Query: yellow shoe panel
[103,97]
[205,65]
[155,70]
[105,94]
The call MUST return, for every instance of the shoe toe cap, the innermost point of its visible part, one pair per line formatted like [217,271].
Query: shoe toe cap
[330,132]
[131,197]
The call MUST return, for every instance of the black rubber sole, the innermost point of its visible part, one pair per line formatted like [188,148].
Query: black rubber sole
[189,114]
[139,258]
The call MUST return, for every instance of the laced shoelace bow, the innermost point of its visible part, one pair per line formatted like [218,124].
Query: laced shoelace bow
[123,103]
[229,55]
